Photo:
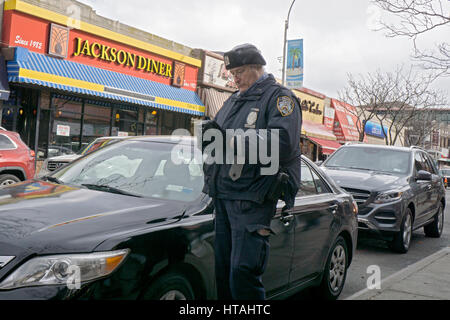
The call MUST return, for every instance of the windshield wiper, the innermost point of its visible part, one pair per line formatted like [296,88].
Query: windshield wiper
[52,179]
[106,188]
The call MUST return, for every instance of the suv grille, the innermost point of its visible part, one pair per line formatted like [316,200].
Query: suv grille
[360,196]
[53,165]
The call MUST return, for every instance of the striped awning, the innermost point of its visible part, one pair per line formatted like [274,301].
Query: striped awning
[213,100]
[42,70]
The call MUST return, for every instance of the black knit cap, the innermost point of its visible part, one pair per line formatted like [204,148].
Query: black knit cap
[242,55]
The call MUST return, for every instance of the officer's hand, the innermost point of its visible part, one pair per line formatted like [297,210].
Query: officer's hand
[208,125]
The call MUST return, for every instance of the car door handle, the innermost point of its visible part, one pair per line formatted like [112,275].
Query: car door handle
[334,208]
[286,219]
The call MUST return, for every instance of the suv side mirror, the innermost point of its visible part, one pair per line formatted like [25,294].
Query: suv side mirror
[423,175]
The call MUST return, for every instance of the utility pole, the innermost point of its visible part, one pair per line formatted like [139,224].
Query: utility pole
[286,26]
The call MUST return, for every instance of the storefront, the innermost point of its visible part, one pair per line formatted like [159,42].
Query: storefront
[345,122]
[318,142]
[72,81]
[215,82]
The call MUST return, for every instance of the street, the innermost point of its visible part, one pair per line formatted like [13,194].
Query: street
[375,252]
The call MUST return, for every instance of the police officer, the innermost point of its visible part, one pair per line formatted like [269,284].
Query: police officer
[245,200]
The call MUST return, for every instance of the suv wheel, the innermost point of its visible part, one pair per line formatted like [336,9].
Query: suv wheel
[335,272]
[7,179]
[435,228]
[401,241]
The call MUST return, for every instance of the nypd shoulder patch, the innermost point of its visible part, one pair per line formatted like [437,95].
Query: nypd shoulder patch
[285,105]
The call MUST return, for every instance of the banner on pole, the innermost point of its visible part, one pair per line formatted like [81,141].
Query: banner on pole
[294,64]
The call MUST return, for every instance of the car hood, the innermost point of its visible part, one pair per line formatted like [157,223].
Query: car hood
[41,216]
[360,179]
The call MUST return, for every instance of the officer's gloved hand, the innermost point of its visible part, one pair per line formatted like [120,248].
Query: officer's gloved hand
[208,125]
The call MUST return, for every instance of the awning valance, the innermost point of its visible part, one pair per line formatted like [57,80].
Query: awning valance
[33,68]
[328,146]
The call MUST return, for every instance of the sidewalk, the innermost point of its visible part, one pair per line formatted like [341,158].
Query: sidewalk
[428,279]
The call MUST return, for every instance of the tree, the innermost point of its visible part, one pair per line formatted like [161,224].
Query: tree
[393,98]
[414,18]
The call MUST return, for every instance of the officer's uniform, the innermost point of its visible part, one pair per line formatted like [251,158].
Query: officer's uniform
[240,191]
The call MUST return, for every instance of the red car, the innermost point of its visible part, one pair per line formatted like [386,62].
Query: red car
[17,161]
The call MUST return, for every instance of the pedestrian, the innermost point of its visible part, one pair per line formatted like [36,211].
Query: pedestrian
[244,199]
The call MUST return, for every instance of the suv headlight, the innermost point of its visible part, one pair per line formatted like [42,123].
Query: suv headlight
[388,196]
[60,269]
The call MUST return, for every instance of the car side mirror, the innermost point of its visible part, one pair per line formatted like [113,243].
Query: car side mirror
[318,163]
[423,175]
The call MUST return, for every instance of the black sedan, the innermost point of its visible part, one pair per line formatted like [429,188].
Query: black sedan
[129,221]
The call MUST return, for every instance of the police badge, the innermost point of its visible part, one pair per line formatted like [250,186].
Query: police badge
[251,118]
[285,105]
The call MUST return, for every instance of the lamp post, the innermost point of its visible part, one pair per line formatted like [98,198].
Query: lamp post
[286,26]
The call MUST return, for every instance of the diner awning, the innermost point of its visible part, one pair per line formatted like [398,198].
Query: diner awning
[38,69]
[328,146]
[317,130]
[4,87]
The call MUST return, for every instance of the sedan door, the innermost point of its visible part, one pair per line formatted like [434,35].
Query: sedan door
[316,223]
[276,276]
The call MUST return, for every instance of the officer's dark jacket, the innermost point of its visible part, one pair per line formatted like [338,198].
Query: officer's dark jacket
[264,99]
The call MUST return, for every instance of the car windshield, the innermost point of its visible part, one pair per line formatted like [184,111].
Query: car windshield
[374,159]
[445,172]
[146,169]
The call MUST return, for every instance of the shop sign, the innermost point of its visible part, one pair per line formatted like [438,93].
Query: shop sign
[121,57]
[328,118]
[63,131]
[215,73]
[122,134]
[375,129]
[311,105]
[58,41]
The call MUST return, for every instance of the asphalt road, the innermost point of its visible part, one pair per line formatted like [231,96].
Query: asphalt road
[374,252]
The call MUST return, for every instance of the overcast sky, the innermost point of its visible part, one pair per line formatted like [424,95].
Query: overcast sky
[337,33]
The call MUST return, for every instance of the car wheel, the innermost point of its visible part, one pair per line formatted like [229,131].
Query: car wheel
[170,286]
[401,241]
[435,228]
[335,271]
[8,179]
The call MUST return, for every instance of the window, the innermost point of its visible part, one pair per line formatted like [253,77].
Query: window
[307,185]
[6,143]
[320,184]
[429,163]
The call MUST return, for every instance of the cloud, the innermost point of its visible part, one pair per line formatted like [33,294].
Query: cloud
[338,35]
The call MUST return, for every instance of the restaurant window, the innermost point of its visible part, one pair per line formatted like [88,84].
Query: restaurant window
[96,121]
[125,121]
[151,122]
[167,123]
[66,124]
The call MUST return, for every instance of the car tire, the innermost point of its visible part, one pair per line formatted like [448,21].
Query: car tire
[335,272]
[170,286]
[402,239]
[7,179]
[435,228]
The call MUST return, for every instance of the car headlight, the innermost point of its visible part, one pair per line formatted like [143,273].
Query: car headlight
[60,269]
[389,196]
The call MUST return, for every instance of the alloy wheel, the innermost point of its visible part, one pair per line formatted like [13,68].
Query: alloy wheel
[173,295]
[407,231]
[7,182]
[337,268]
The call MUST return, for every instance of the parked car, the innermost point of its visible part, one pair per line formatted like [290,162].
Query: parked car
[54,151]
[445,174]
[398,190]
[17,161]
[132,219]
[54,162]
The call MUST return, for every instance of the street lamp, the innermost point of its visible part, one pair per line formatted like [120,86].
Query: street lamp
[286,26]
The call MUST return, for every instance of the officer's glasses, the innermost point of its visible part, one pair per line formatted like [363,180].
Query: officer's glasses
[238,72]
